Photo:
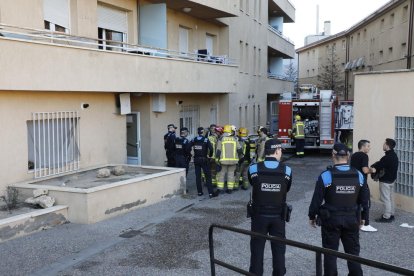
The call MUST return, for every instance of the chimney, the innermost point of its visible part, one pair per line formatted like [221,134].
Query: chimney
[317,19]
[327,28]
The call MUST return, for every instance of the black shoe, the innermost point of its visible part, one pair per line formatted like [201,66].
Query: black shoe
[214,194]
[200,194]
[244,188]
[382,219]
[229,191]
[392,217]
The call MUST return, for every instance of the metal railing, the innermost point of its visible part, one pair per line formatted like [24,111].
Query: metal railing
[318,251]
[64,39]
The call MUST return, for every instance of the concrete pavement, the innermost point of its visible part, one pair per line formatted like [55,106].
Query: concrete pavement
[171,238]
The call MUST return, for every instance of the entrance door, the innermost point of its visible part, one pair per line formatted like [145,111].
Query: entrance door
[133,138]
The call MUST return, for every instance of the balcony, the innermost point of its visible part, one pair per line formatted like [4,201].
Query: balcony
[283,8]
[281,45]
[47,61]
[203,9]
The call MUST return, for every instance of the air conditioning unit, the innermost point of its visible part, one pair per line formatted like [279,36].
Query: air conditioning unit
[158,103]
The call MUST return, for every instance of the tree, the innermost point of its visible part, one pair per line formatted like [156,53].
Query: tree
[291,74]
[330,73]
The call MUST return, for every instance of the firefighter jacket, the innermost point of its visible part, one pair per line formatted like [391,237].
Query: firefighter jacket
[299,130]
[341,189]
[183,147]
[252,146]
[270,181]
[260,154]
[228,150]
[213,141]
[202,147]
[245,146]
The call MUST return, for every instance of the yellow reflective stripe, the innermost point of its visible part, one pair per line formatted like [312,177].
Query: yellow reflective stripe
[225,157]
[300,133]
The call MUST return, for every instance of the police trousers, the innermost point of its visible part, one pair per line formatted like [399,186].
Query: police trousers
[275,226]
[170,158]
[344,228]
[203,163]
[181,161]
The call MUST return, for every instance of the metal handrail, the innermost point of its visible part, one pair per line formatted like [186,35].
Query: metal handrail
[279,33]
[60,38]
[318,250]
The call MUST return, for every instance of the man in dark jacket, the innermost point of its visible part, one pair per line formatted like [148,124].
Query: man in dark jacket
[182,150]
[169,145]
[388,163]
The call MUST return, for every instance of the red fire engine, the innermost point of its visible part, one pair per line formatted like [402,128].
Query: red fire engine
[326,120]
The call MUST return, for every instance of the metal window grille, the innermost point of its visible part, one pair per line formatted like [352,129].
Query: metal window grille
[404,134]
[190,118]
[213,114]
[54,142]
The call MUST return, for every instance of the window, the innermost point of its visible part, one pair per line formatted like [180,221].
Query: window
[392,20]
[307,73]
[404,136]
[241,58]
[352,41]
[258,114]
[259,66]
[343,44]
[405,13]
[213,114]
[390,53]
[260,11]
[53,143]
[403,50]
[245,116]
[254,116]
[365,34]
[381,56]
[254,9]
[254,61]
[358,37]
[190,118]
[210,43]
[246,59]
[240,116]
[242,5]
[248,7]
[382,22]
[112,28]
[183,41]
[56,15]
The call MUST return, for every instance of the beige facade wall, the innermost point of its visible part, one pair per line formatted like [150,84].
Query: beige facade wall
[102,130]
[381,40]
[375,115]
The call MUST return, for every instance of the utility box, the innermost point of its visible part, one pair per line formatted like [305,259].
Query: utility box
[158,103]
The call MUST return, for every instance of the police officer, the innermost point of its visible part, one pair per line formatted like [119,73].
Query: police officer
[169,145]
[182,150]
[299,135]
[212,136]
[202,146]
[342,190]
[270,181]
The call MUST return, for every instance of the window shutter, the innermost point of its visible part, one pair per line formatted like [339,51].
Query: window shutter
[56,12]
[112,19]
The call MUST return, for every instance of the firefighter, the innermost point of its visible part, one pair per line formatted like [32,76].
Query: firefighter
[227,154]
[252,146]
[182,150]
[212,137]
[260,143]
[202,147]
[244,161]
[169,145]
[299,135]
[342,190]
[270,182]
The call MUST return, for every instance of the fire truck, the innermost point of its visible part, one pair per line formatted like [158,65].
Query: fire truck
[326,119]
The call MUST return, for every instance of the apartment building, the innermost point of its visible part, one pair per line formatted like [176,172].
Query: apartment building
[88,83]
[381,41]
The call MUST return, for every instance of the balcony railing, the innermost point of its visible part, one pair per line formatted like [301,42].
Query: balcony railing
[279,33]
[59,38]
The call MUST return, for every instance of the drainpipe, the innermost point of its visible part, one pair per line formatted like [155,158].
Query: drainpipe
[347,72]
[410,35]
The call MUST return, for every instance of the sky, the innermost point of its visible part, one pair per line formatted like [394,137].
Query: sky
[342,14]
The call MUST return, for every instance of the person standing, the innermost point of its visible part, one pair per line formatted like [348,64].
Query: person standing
[244,161]
[270,182]
[359,160]
[182,150]
[389,164]
[341,189]
[201,147]
[169,145]
[213,137]
[299,135]
[227,154]
[260,156]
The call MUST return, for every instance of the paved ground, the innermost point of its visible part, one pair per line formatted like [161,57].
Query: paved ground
[171,238]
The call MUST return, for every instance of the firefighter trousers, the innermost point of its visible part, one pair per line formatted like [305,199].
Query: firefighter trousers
[241,175]
[300,147]
[226,171]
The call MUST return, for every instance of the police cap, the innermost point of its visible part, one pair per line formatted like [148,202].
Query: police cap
[340,149]
[272,144]
[171,125]
[200,130]
[183,129]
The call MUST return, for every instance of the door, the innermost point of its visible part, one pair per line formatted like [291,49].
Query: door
[133,138]
[183,41]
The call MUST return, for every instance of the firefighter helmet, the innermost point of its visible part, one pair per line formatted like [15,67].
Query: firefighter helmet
[233,128]
[297,118]
[227,129]
[243,132]
[219,130]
